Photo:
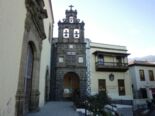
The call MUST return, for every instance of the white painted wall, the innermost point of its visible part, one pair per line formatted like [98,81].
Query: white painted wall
[134,72]
[109,47]
[12,20]
[111,86]
[46,52]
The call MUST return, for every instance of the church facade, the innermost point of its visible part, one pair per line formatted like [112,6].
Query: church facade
[24,31]
[68,63]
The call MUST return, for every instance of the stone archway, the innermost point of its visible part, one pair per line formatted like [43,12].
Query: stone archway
[71,85]
[27,95]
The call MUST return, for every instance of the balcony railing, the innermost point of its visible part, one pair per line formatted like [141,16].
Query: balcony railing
[111,66]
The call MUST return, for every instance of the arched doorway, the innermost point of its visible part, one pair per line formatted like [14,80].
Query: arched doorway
[71,85]
[28,78]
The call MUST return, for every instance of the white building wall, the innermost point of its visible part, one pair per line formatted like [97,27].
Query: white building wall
[46,51]
[137,83]
[142,84]
[12,21]
[132,73]
[109,47]
[111,86]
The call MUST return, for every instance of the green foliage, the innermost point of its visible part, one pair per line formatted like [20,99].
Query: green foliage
[97,102]
[94,103]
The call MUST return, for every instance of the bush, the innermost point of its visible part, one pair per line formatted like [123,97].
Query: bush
[94,103]
[97,102]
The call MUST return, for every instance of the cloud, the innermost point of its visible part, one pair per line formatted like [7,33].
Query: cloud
[141,52]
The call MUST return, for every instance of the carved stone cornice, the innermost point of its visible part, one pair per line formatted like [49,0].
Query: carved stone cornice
[37,13]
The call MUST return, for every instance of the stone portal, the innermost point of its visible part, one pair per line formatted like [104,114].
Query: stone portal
[71,85]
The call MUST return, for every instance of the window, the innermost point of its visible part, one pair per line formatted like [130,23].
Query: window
[49,33]
[66,33]
[71,59]
[151,76]
[80,59]
[143,93]
[101,85]
[119,61]
[100,59]
[71,19]
[76,33]
[71,46]
[61,59]
[71,53]
[142,76]
[121,87]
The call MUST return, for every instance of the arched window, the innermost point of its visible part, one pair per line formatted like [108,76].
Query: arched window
[76,33]
[71,19]
[66,33]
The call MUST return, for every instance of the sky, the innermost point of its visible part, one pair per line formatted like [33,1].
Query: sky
[129,23]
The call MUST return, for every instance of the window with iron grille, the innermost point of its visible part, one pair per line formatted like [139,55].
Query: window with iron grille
[141,74]
[121,87]
[100,59]
[151,75]
[101,85]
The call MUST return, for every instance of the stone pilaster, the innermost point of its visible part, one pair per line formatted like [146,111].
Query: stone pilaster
[19,103]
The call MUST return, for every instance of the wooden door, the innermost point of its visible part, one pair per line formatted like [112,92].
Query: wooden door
[71,84]
[28,80]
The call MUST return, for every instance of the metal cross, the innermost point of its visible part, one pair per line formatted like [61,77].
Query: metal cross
[71,6]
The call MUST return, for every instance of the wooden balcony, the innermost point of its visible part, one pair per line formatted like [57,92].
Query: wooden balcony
[111,66]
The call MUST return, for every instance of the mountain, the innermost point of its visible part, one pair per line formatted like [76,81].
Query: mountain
[150,58]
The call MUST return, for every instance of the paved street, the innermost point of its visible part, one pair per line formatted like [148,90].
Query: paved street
[142,112]
[67,109]
[125,111]
[152,113]
[56,109]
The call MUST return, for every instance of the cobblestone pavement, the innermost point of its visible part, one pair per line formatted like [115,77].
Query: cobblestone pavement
[56,109]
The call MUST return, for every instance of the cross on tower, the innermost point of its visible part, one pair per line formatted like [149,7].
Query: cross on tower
[71,6]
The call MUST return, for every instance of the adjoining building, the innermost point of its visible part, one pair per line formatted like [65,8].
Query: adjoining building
[22,31]
[44,80]
[109,72]
[143,80]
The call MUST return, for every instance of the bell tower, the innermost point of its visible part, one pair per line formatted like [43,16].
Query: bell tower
[70,28]
[69,58]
